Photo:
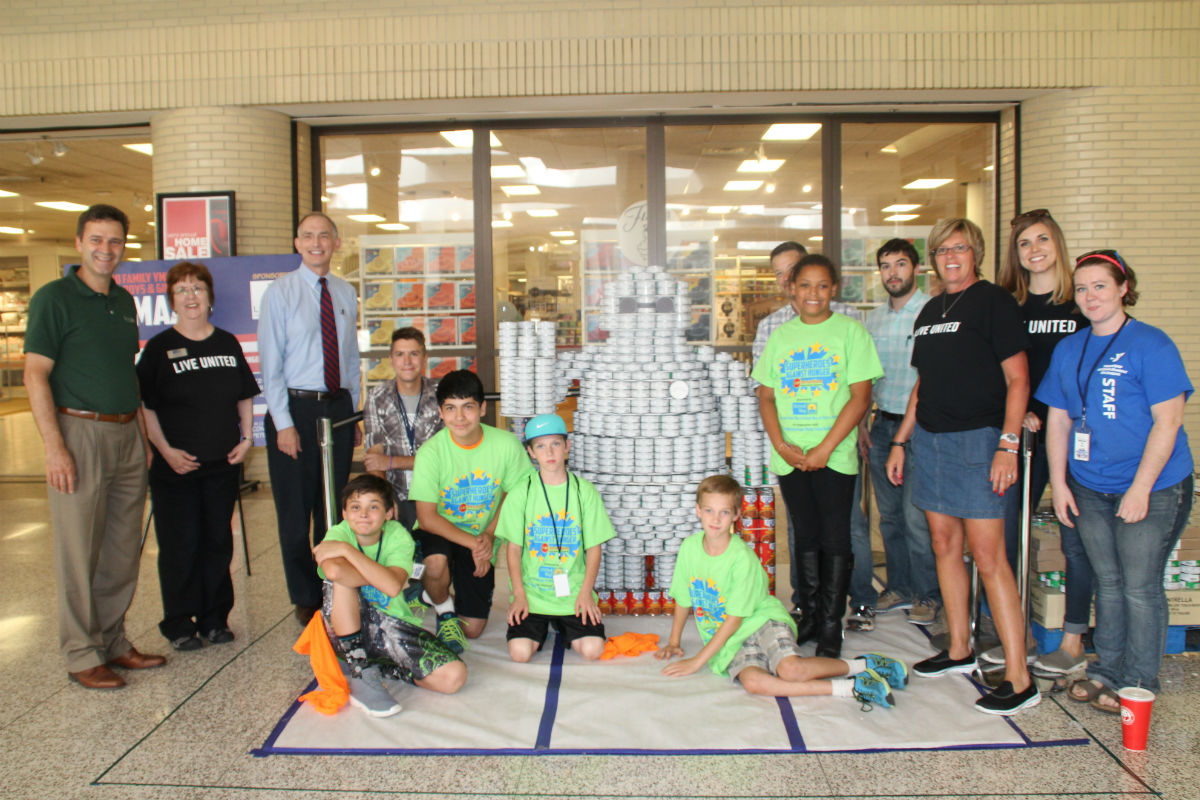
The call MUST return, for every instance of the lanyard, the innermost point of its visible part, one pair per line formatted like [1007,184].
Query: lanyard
[410,428]
[566,510]
[378,549]
[1081,382]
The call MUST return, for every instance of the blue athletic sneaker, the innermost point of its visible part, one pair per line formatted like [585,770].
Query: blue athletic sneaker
[892,670]
[450,631]
[412,596]
[870,689]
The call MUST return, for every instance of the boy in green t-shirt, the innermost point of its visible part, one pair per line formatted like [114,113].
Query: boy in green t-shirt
[553,550]
[460,476]
[746,631]
[365,561]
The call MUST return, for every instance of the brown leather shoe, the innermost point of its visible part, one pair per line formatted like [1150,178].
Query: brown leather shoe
[132,659]
[100,677]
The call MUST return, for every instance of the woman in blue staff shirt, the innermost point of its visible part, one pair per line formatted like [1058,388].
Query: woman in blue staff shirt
[1120,470]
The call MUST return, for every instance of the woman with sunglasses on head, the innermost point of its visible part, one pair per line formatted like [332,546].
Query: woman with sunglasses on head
[1037,271]
[196,394]
[962,421]
[1120,470]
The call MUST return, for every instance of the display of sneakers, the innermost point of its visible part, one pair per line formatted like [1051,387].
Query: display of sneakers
[413,298]
[444,331]
[367,693]
[890,669]
[1060,662]
[1004,701]
[861,619]
[412,596]
[890,601]
[450,631]
[942,663]
[871,689]
[439,295]
[381,297]
[924,612]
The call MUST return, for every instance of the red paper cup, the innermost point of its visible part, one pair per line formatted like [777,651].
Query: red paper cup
[1136,705]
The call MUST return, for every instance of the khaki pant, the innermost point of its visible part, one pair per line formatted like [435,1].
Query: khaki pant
[97,538]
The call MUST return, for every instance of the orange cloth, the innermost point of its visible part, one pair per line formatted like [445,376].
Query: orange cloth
[334,692]
[629,644]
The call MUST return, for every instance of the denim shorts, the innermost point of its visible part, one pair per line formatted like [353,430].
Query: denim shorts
[952,473]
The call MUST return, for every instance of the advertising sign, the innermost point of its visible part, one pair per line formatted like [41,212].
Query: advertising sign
[196,225]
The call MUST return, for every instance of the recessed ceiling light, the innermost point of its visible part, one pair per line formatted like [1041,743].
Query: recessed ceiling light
[806,188]
[392,226]
[562,234]
[148,207]
[770,187]
[900,207]
[742,186]
[508,171]
[720,209]
[144,148]
[152,224]
[366,217]
[133,245]
[62,205]
[900,217]
[569,241]
[501,223]
[927,183]
[132,237]
[14,231]
[467,138]
[889,148]
[542,212]
[791,131]
[520,189]
[374,172]
[4,193]
[989,168]
[816,238]
[760,165]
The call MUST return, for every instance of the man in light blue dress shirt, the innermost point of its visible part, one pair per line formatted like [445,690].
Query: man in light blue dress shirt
[911,573]
[292,361]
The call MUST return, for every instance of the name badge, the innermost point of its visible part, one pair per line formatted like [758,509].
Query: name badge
[418,571]
[178,352]
[562,585]
[1082,445]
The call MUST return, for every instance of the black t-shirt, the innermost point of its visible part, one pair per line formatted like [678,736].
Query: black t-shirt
[1047,323]
[958,356]
[194,388]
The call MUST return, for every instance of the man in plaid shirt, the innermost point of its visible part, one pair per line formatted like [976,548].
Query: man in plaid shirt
[399,417]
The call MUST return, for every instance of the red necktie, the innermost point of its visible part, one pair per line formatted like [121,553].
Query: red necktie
[329,344]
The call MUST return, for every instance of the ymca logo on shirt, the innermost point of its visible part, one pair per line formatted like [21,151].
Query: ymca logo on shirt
[375,597]
[469,499]
[543,547]
[709,606]
[1108,385]
[805,374]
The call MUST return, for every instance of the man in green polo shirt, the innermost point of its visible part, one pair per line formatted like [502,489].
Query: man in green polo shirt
[80,345]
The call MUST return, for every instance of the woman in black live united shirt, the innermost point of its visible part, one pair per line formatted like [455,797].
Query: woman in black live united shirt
[1037,271]
[962,422]
[196,396]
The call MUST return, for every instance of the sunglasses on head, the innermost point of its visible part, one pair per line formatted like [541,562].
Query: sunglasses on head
[1111,256]
[1031,216]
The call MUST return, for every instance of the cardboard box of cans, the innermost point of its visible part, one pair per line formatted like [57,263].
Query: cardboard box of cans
[1048,604]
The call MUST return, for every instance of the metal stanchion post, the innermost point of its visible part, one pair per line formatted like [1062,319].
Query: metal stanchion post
[1023,548]
[325,442]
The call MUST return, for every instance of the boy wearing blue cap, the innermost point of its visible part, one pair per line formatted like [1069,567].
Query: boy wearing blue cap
[554,523]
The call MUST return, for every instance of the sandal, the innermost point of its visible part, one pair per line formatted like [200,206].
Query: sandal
[1094,694]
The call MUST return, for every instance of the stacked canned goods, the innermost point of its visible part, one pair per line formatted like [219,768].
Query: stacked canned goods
[528,381]
[758,528]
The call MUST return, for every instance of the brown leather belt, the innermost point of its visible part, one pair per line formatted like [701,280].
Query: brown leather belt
[307,394]
[97,416]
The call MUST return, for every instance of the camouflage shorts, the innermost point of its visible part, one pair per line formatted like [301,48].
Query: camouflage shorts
[402,651]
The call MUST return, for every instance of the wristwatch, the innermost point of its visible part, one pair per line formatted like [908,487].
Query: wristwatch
[1010,438]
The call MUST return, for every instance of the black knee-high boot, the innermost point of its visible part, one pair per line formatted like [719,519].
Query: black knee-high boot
[831,603]
[808,578]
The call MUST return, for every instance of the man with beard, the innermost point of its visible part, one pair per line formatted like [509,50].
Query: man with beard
[911,574]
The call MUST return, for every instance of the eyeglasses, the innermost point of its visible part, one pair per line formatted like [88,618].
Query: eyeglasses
[1031,217]
[194,291]
[957,249]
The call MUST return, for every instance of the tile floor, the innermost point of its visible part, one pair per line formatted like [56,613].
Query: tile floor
[186,731]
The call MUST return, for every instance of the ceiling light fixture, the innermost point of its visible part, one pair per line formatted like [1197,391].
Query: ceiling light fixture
[927,183]
[791,131]
[501,223]
[900,208]
[366,217]
[391,226]
[542,212]
[770,187]
[889,148]
[145,148]
[720,209]
[816,238]
[520,189]
[900,217]
[34,157]
[742,186]
[133,245]
[4,193]
[806,188]
[508,171]
[562,234]
[62,205]
[13,231]
[60,149]
[467,138]
[375,172]
[760,165]
[147,208]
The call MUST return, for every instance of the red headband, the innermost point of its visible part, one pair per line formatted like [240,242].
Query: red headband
[1102,257]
